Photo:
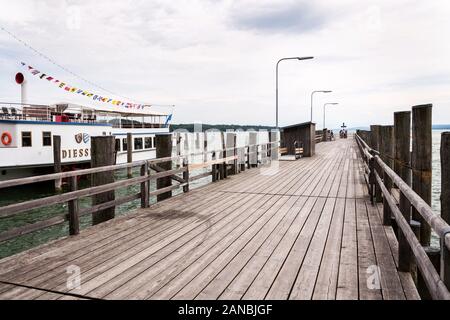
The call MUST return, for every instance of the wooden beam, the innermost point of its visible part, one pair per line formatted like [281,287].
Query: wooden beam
[421,163]
[402,136]
[445,205]
[102,154]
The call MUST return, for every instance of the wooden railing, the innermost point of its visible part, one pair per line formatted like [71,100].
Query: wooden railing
[149,171]
[379,175]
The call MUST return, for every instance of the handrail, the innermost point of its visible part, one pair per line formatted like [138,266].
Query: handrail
[435,284]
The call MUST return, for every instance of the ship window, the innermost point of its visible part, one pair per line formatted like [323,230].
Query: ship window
[124,144]
[26,139]
[117,145]
[137,143]
[46,138]
[148,143]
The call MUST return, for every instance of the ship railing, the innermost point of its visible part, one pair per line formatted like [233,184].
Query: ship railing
[378,175]
[218,165]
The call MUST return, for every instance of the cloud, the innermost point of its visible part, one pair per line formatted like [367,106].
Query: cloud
[287,16]
[215,60]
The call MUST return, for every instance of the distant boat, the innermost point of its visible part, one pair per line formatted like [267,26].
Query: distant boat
[27,131]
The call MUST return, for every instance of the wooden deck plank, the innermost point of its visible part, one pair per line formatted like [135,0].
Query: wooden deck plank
[348,267]
[302,230]
[326,283]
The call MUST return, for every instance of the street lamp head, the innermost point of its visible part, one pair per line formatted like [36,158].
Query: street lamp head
[305,58]
[327,91]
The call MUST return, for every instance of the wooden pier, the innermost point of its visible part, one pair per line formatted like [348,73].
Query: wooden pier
[302,229]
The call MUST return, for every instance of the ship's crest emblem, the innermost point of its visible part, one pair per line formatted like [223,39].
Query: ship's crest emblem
[82,137]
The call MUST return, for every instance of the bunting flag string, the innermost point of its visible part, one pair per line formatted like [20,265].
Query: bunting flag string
[88,94]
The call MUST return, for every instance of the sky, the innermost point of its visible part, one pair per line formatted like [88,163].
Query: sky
[215,60]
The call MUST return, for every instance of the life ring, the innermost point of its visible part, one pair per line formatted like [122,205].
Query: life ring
[6,138]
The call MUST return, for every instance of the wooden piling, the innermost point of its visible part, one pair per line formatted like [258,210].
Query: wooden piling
[186,175]
[445,203]
[145,187]
[102,154]
[402,136]
[421,163]
[375,144]
[387,155]
[222,166]
[163,150]
[57,161]
[273,146]
[252,141]
[231,151]
[205,147]
[74,219]
[129,153]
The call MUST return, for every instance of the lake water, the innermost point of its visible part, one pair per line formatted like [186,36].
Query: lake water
[193,145]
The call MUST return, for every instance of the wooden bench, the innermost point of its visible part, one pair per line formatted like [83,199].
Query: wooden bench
[283,151]
[298,153]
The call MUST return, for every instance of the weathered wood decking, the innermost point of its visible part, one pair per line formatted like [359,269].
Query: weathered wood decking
[306,230]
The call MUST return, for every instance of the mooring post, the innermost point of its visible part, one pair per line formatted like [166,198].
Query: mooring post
[186,146]
[186,174]
[223,166]
[197,140]
[252,141]
[178,146]
[129,153]
[324,135]
[102,154]
[205,147]
[57,161]
[274,144]
[235,151]
[402,138]
[445,204]
[74,220]
[230,145]
[164,150]
[372,178]
[145,186]
[387,155]
[375,144]
[214,167]
[421,163]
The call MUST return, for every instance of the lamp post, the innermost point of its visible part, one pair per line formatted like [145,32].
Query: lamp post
[312,94]
[293,58]
[328,103]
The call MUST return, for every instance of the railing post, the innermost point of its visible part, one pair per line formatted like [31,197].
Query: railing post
[205,147]
[130,153]
[372,178]
[242,158]
[375,144]
[74,220]
[163,150]
[445,204]
[387,154]
[57,161]
[223,165]
[402,139]
[145,186]
[421,163]
[186,174]
[214,168]
[252,141]
[248,157]
[102,154]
